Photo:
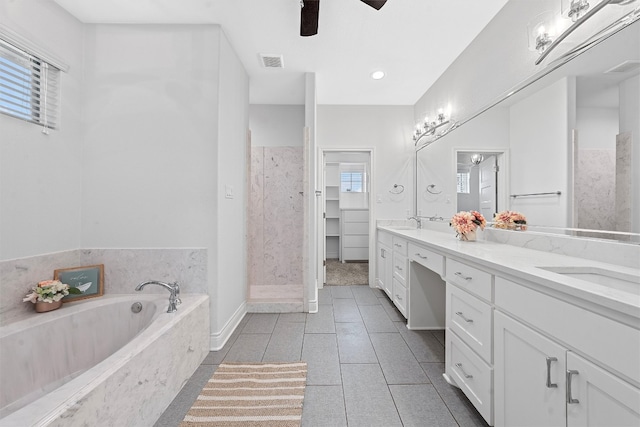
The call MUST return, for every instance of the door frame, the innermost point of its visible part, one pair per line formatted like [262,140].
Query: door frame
[320,229]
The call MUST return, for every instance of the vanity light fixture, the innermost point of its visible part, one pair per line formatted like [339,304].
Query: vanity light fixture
[476,159]
[377,75]
[574,9]
[547,30]
[429,128]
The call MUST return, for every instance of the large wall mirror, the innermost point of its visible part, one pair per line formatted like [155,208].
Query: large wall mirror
[560,149]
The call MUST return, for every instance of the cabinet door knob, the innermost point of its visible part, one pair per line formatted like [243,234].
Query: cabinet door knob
[570,399]
[459,365]
[459,274]
[549,383]
[459,313]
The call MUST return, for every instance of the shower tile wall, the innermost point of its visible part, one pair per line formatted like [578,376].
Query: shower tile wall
[595,189]
[623,182]
[276,223]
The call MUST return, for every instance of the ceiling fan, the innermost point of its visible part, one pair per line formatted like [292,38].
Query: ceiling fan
[309,14]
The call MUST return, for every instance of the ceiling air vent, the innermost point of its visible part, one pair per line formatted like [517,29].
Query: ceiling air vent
[625,67]
[271,61]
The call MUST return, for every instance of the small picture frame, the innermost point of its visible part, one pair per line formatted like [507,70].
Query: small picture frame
[89,279]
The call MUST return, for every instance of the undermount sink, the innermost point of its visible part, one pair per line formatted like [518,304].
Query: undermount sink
[612,279]
[401,227]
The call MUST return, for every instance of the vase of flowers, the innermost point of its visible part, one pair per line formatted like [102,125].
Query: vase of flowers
[510,220]
[47,295]
[466,223]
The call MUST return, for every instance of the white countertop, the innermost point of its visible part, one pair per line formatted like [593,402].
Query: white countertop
[522,263]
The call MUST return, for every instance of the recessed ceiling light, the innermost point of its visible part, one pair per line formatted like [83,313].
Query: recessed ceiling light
[377,75]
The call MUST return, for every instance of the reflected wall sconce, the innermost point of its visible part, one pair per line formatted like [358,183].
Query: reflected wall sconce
[430,127]
[476,159]
[548,29]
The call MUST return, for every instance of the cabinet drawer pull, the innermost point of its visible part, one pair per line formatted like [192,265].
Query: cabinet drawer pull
[382,253]
[398,268]
[459,365]
[459,313]
[399,297]
[570,399]
[419,255]
[549,383]
[459,274]
[397,245]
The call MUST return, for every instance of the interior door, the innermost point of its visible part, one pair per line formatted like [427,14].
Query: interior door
[488,187]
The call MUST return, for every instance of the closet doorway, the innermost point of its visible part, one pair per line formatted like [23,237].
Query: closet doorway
[346,219]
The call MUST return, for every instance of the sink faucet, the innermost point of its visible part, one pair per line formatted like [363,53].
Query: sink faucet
[174,293]
[418,220]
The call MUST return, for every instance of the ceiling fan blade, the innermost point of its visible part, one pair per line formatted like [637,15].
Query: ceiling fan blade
[309,18]
[376,4]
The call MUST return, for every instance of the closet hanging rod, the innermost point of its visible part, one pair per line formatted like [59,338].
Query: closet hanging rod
[550,193]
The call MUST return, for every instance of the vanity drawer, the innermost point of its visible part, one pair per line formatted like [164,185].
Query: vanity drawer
[471,374]
[400,245]
[471,320]
[469,278]
[385,238]
[400,296]
[427,258]
[400,268]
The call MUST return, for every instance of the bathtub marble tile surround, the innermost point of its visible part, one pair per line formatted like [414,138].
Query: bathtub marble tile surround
[124,269]
[134,385]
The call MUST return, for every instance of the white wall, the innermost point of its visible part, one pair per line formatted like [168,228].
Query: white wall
[597,128]
[540,154]
[383,128]
[229,285]
[41,175]
[150,134]
[276,125]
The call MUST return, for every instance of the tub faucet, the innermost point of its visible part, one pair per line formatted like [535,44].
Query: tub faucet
[418,220]
[174,292]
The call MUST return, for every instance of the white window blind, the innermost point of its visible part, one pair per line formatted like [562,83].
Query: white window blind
[463,182]
[29,87]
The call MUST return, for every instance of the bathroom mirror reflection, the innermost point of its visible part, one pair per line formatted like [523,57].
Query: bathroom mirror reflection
[563,145]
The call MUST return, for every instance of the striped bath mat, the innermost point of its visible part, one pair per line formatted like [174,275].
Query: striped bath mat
[251,394]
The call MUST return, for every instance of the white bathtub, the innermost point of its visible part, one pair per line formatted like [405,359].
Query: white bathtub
[95,362]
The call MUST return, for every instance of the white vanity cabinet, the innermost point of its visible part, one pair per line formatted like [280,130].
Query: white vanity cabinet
[540,379]
[392,269]
[469,333]
[384,264]
[400,270]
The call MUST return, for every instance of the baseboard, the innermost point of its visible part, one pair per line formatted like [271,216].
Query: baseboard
[219,339]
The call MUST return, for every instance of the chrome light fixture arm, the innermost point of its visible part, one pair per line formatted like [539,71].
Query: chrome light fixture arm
[572,28]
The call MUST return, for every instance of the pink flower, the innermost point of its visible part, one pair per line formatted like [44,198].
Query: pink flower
[463,222]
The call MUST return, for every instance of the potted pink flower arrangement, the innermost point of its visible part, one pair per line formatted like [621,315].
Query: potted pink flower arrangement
[510,220]
[47,295]
[466,223]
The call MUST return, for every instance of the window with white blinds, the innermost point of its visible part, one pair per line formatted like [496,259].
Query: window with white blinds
[29,87]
